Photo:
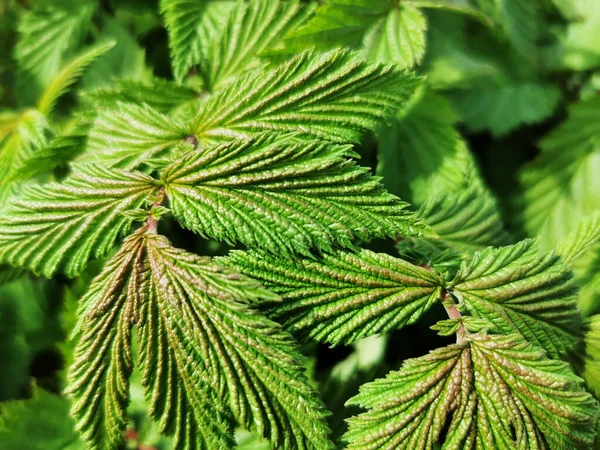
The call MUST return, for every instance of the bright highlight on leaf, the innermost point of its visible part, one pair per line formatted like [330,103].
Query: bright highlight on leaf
[333,96]
[343,297]
[129,135]
[60,226]
[494,392]
[283,195]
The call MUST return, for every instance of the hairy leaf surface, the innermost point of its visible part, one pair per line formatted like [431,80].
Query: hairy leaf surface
[496,392]
[103,361]
[60,226]
[333,96]
[190,23]
[207,310]
[518,290]
[130,134]
[282,195]
[342,297]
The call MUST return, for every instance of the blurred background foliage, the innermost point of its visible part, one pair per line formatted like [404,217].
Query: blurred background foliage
[501,142]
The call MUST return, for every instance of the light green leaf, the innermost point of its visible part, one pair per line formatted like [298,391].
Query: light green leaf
[519,291]
[466,220]
[22,134]
[162,95]
[129,135]
[501,105]
[591,371]
[283,195]
[490,392]
[49,33]
[422,155]
[561,186]
[342,297]
[125,60]
[338,23]
[39,423]
[68,75]
[332,96]
[584,237]
[205,311]
[60,226]
[397,38]
[190,24]
[251,28]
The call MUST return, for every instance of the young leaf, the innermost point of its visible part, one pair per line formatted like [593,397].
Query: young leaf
[68,75]
[181,395]
[21,135]
[282,195]
[397,38]
[60,226]
[129,135]
[251,28]
[517,290]
[189,24]
[561,186]
[342,297]
[332,96]
[490,392]
[207,309]
[103,361]
[583,238]
[48,33]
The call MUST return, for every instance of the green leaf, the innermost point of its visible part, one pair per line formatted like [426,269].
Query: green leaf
[207,310]
[339,23]
[251,28]
[591,371]
[283,195]
[125,60]
[60,226]
[132,134]
[561,186]
[466,220]
[38,423]
[341,297]
[68,75]
[190,24]
[421,154]
[58,151]
[579,241]
[397,38]
[48,34]
[161,95]
[501,105]
[332,96]
[103,362]
[490,392]
[206,356]
[21,134]
[518,290]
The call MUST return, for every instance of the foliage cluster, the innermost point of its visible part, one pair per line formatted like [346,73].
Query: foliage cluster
[253,224]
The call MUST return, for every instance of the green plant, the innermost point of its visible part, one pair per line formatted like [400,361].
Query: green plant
[119,209]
